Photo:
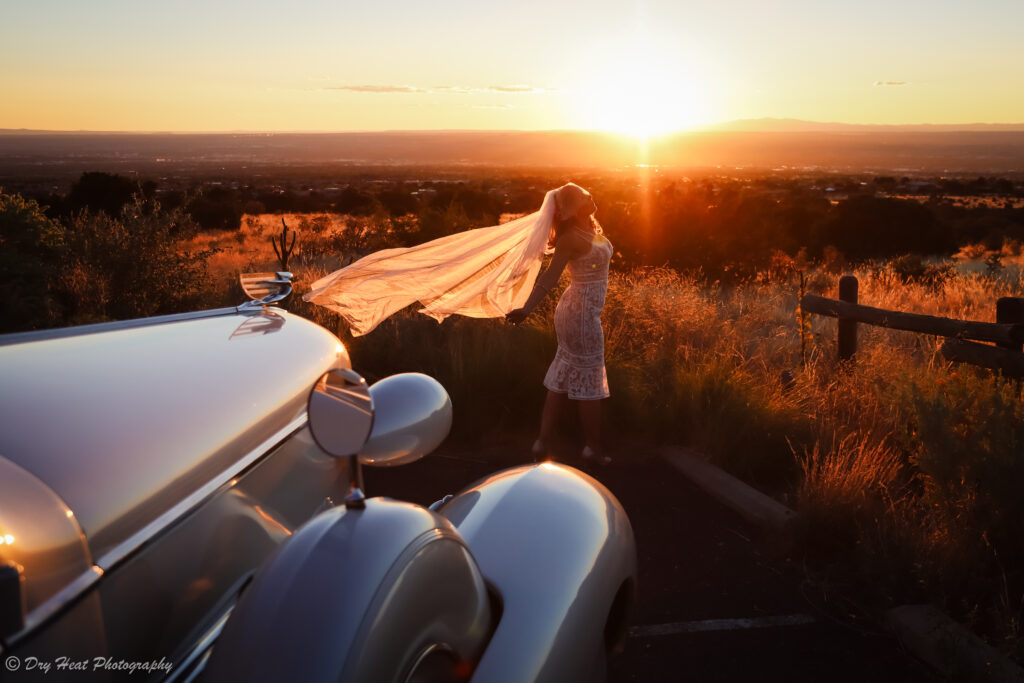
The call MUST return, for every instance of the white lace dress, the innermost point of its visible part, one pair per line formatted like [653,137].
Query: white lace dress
[578,368]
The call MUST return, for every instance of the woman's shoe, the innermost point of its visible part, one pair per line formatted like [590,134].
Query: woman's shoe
[591,456]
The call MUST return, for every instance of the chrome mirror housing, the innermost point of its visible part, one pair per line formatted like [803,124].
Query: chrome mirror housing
[412,416]
[341,413]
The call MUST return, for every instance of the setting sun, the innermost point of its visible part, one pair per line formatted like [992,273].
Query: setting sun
[643,93]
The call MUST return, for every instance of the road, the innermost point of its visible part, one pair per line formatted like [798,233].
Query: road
[715,602]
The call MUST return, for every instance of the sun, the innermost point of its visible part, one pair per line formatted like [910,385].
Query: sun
[643,93]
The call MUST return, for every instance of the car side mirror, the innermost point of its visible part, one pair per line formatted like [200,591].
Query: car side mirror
[340,411]
[396,421]
[412,416]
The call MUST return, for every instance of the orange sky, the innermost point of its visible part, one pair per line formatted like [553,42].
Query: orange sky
[636,67]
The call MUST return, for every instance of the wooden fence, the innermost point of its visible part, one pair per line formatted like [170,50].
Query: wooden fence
[1007,333]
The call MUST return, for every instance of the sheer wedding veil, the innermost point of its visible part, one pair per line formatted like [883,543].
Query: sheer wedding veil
[481,273]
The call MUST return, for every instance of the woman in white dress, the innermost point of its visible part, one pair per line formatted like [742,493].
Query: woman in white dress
[492,272]
[578,372]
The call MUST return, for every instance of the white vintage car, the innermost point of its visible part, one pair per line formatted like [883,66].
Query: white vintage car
[180,499]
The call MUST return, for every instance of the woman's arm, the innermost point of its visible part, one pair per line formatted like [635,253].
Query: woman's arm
[568,247]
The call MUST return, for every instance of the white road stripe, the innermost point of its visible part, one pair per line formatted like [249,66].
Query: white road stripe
[719,625]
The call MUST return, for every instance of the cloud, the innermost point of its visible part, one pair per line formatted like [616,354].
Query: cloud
[519,89]
[885,83]
[446,89]
[378,88]
[501,89]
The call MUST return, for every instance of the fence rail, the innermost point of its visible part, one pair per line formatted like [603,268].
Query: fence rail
[1003,360]
[1007,332]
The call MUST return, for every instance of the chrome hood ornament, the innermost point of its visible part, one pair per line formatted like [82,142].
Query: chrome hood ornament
[265,288]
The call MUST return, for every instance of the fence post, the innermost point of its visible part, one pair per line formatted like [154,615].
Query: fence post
[847,327]
[1010,309]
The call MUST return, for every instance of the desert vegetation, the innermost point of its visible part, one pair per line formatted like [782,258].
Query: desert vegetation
[906,470]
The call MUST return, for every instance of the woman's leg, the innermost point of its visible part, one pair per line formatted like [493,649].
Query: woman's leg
[549,418]
[590,418]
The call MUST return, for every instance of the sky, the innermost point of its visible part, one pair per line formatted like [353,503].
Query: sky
[639,67]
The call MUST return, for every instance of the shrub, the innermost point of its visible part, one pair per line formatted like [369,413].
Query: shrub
[846,484]
[911,268]
[130,266]
[32,247]
[492,371]
[96,191]
[870,227]
[216,212]
[965,432]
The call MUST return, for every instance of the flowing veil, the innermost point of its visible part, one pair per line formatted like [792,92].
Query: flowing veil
[481,273]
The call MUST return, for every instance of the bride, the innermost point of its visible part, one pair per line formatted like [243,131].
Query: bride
[493,272]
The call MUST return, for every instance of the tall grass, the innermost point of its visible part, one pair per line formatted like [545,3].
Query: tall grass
[907,471]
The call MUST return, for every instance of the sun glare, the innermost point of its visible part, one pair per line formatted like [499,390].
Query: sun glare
[643,94]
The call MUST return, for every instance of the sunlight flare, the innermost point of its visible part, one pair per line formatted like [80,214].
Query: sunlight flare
[645,92]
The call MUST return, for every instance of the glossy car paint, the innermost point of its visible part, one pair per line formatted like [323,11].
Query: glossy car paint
[177,406]
[357,595]
[222,452]
[39,534]
[415,417]
[558,548]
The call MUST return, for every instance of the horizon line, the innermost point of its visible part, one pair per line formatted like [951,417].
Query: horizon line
[722,126]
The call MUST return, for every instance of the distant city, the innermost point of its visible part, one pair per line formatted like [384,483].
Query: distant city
[776,146]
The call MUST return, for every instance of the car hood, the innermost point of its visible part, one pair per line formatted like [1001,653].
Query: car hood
[127,423]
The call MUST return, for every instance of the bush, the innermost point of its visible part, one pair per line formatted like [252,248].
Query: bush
[216,212]
[492,371]
[869,227]
[130,266]
[966,435]
[911,268]
[96,191]
[32,247]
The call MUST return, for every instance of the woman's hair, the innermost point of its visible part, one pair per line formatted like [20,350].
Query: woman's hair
[568,199]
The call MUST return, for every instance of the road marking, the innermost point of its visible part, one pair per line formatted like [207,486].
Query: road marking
[719,625]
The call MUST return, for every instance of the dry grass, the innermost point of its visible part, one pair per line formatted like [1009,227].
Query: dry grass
[847,472]
[907,471]
[249,249]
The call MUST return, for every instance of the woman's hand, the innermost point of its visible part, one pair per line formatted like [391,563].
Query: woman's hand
[517,316]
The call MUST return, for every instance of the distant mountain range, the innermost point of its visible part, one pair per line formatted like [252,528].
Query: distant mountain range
[763,125]
[749,144]
[769,125]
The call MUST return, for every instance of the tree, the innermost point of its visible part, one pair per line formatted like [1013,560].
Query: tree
[398,202]
[31,250]
[97,191]
[213,213]
[869,227]
[355,203]
[130,266]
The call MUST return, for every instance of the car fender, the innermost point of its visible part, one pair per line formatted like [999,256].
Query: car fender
[358,595]
[559,550]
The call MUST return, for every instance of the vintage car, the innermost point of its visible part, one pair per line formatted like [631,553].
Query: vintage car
[181,499]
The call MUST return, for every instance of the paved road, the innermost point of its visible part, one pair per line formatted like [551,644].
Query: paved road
[714,604]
